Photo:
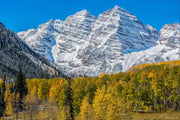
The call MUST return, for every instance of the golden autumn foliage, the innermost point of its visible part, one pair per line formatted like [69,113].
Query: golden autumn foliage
[43,89]
[56,92]
[170,63]
[9,99]
[1,82]
[86,111]
[145,88]
[106,104]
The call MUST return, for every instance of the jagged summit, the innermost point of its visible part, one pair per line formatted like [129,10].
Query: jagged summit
[50,21]
[83,13]
[170,35]
[113,42]
[116,7]
[2,25]
[46,25]
[150,27]
[119,9]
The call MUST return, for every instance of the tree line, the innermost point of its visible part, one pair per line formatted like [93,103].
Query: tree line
[145,88]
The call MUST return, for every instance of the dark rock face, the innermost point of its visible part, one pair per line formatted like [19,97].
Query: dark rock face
[14,53]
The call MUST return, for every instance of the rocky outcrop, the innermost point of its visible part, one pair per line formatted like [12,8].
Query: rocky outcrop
[170,35]
[15,53]
[113,42]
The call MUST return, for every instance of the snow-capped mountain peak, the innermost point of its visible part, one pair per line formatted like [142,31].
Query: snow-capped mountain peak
[170,35]
[119,9]
[151,28]
[113,42]
[40,39]
[45,26]
[83,13]
[81,16]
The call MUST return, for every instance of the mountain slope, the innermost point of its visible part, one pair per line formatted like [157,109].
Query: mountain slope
[116,32]
[41,39]
[113,42]
[167,48]
[15,53]
[76,29]
[170,35]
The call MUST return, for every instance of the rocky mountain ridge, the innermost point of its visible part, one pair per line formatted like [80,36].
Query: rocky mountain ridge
[14,53]
[113,42]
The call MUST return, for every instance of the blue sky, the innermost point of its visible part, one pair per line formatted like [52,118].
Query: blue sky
[20,15]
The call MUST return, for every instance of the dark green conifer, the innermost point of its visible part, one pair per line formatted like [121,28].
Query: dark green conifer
[69,101]
[2,102]
[20,86]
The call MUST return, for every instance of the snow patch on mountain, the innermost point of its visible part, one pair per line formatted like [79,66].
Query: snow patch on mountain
[111,43]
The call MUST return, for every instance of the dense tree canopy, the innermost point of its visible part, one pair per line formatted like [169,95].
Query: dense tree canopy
[145,88]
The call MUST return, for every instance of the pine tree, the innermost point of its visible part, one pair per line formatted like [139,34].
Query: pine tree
[2,102]
[21,86]
[69,102]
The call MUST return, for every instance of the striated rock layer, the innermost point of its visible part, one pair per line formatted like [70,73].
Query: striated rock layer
[111,43]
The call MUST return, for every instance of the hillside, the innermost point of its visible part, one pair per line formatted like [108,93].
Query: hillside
[14,53]
[169,63]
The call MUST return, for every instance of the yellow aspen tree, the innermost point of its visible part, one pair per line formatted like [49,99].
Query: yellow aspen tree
[99,104]
[43,89]
[1,82]
[9,102]
[56,91]
[107,105]
[86,112]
